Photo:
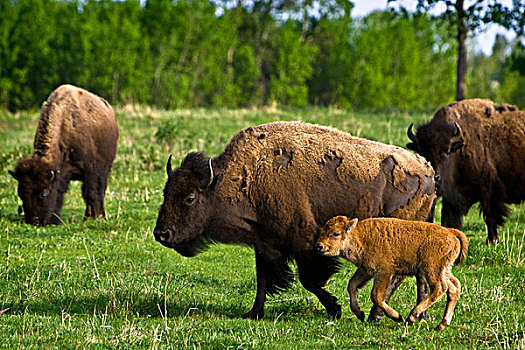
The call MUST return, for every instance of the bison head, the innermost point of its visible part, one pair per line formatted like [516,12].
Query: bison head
[436,141]
[184,214]
[335,232]
[39,188]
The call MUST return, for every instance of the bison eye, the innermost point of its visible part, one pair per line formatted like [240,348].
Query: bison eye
[44,193]
[335,234]
[190,199]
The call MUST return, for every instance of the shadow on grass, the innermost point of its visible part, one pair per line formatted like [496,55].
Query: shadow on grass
[138,307]
[126,305]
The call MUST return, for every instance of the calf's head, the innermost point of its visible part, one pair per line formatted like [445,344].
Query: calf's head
[333,234]
[186,209]
[38,187]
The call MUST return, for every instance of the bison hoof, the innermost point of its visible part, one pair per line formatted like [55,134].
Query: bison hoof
[253,315]
[374,318]
[409,322]
[336,312]
[399,319]
[423,316]
[440,327]
[361,316]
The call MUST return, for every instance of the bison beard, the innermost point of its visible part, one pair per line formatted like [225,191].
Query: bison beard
[272,189]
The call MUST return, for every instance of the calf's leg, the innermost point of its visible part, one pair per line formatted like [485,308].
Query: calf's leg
[454,288]
[381,283]
[376,313]
[357,281]
[437,287]
[422,292]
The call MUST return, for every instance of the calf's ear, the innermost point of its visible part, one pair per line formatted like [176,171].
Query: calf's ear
[351,225]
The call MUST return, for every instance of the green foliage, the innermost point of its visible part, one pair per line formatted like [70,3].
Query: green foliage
[108,284]
[201,53]
[418,70]
[292,68]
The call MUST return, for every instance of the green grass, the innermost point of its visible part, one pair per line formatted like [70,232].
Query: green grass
[107,284]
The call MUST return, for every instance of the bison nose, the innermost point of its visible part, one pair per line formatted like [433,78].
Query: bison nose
[319,246]
[162,236]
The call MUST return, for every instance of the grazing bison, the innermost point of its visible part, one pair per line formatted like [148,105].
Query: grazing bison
[382,248]
[76,139]
[477,149]
[275,185]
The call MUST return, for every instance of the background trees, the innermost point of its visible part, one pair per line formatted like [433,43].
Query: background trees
[467,17]
[189,53]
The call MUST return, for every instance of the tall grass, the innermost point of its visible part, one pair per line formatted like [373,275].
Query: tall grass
[108,284]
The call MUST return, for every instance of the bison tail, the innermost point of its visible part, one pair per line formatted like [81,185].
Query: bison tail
[464,245]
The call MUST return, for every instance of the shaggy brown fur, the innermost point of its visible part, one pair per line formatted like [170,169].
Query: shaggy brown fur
[275,185]
[384,247]
[76,139]
[481,161]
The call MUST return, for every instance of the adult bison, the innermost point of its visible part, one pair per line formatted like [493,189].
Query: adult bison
[76,139]
[274,187]
[477,149]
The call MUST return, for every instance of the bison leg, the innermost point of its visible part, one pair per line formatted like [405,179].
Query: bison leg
[494,211]
[273,276]
[422,292]
[437,287]
[357,281]
[376,313]
[93,192]
[452,215]
[381,283]
[452,298]
[314,271]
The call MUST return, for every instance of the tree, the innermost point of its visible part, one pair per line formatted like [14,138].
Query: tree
[464,18]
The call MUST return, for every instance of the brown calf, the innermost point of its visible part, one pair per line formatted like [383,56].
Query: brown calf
[382,248]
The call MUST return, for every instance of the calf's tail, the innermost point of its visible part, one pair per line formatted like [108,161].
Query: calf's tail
[464,245]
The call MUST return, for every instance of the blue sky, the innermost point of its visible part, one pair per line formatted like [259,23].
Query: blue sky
[484,41]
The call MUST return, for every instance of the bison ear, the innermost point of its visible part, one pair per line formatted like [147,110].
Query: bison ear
[351,225]
[456,145]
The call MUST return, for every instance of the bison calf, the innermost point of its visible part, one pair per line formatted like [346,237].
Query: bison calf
[384,247]
[76,139]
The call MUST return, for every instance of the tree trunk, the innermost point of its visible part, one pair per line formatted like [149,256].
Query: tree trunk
[461,77]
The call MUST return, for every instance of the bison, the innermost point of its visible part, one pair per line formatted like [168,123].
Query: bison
[382,248]
[273,188]
[477,149]
[76,139]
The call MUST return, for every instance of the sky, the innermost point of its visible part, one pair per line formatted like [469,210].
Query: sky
[484,41]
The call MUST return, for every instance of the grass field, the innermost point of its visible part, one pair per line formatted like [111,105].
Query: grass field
[107,284]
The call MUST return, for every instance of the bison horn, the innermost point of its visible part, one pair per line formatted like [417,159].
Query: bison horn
[52,176]
[169,170]
[457,134]
[411,135]
[211,173]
